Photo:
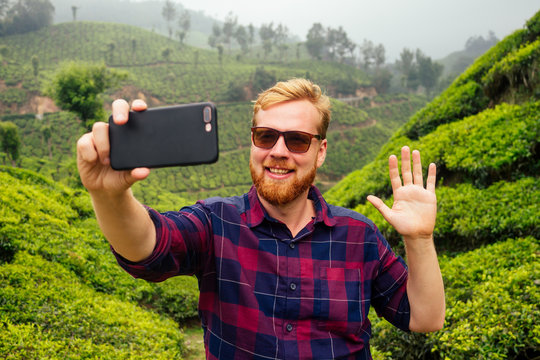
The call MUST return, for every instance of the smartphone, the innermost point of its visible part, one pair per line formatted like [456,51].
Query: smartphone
[177,135]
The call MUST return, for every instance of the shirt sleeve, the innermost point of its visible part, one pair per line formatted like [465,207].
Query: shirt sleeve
[182,243]
[389,296]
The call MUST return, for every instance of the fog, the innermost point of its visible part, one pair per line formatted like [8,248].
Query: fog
[436,27]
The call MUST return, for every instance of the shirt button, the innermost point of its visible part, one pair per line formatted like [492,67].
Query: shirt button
[291,245]
[293,286]
[289,327]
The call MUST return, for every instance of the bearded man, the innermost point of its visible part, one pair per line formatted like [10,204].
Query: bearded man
[282,274]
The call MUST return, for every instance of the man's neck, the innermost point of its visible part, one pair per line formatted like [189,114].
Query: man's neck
[295,214]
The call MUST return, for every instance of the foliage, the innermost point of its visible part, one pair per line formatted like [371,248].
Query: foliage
[468,217]
[9,140]
[25,16]
[492,298]
[47,313]
[47,219]
[519,68]
[77,86]
[461,150]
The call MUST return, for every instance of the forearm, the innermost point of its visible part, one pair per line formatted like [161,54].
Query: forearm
[425,287]
[125,223]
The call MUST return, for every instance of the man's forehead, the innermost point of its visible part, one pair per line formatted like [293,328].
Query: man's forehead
[294,112]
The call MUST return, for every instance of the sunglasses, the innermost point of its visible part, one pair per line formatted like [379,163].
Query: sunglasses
[296,141]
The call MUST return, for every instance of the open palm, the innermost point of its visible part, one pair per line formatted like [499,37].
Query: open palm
[414,210]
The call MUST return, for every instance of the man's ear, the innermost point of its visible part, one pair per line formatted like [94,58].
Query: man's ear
[321,154]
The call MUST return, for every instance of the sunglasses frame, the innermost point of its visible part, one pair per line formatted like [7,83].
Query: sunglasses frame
[284,134]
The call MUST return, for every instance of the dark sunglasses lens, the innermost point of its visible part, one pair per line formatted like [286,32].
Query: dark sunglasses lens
[297,141]
[265,138]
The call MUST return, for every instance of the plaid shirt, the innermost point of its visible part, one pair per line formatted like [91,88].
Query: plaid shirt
[267,295]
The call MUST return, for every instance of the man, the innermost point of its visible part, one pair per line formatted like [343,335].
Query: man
[282,274]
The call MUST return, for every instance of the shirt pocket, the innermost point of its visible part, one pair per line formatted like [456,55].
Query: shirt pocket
[338,306]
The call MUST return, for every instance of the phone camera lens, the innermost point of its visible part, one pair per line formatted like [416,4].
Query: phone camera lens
[207,114]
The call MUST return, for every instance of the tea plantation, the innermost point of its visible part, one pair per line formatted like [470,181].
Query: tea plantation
[62,295]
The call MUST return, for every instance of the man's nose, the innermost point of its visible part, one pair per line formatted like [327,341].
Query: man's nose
[280,148]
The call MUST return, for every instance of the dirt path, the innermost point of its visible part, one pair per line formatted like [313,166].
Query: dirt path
[194,342]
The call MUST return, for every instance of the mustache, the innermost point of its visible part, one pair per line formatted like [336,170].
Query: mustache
[279,163]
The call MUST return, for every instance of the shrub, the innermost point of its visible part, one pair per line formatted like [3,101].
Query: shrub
[47,313]
[469,217]
[492,301]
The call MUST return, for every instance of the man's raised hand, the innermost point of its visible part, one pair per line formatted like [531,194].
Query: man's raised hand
[414,210]
[93,151]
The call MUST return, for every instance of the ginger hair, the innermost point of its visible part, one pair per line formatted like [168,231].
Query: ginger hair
[296,89]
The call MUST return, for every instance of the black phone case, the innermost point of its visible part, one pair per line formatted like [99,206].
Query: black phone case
[166,136]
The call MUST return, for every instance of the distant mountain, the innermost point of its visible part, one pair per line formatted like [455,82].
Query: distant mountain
[456,62]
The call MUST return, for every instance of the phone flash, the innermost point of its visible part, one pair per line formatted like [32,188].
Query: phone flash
[208,127]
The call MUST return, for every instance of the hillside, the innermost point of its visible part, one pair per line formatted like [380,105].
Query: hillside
[61,291]
[187,74]
[483,133]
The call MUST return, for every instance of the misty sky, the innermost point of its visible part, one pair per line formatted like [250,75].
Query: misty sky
[437,27]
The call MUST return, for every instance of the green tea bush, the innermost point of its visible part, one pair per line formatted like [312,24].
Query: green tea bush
[457,102]
[48,219]
[519,68]
[468,217]
[492,298]
[47,314]
[497,144]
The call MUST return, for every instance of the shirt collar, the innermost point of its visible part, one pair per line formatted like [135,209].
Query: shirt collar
[256,213]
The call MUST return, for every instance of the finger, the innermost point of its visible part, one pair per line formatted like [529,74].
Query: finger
[100,133]
[417,168]
[120,111]
[138,105]
[86,150]
[395,180]
[432,177]
[140,173]
[406,165]
[380,205]
[137,174]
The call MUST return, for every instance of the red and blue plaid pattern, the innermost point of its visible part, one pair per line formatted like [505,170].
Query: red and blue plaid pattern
[267,295]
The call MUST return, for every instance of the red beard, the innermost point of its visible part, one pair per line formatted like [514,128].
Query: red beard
[281,192]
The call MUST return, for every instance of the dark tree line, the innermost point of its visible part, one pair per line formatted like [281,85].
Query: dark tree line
[22,16]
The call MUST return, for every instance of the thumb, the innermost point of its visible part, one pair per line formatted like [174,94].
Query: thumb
[380,205]
[136,174]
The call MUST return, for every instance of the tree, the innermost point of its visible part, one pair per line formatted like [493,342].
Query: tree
[241,37]
[267,34]
[25,16]
[229,29]
[315,41]
[280,37]
[220,54]
[77,87]
[381,80]
[428,71]
[11,142]
[166,54]
[169,13]
[184,21]
[379,55]
[406,66]
[251,34]
[477,44]
[368,54]
[262,79]
[215,38]
[74,12]
[35,65]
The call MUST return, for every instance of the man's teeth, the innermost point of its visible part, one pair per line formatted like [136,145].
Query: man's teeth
[278,171]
